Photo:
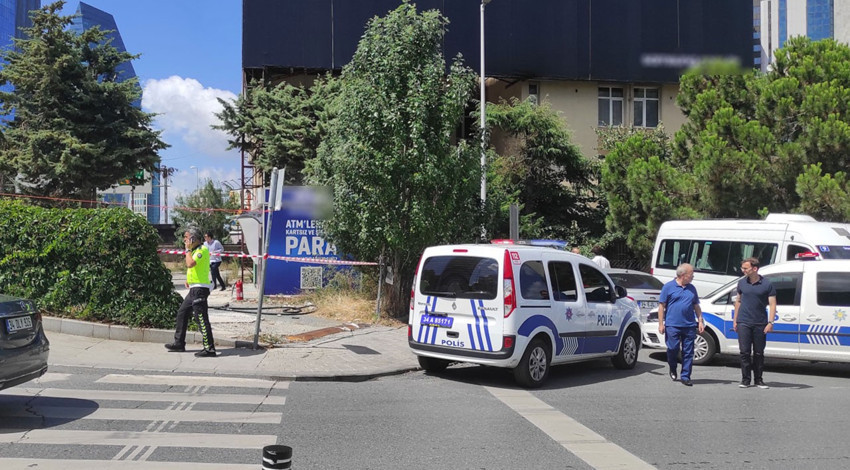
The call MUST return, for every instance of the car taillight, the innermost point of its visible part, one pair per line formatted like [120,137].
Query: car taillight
[413,287]
[507,342]
[630,298]
[508,286]
[409,331]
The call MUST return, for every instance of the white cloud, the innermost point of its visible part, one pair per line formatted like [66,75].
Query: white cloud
[186,111]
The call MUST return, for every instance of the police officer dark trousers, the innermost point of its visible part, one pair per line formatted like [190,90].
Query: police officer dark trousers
[195,302]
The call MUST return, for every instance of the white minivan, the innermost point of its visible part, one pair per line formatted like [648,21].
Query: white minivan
[813,304]
[716,248]
[519,307]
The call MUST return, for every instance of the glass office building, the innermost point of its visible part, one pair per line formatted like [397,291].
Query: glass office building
[780,20]
[14,15]
[88,17]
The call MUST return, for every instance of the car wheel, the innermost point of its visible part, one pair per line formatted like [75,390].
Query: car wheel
[534,366]
[627,357]
[430,364]
[704,348]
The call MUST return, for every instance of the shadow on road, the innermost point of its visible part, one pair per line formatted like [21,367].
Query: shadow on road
[25,412]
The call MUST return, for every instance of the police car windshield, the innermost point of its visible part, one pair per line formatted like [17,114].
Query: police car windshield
[462,277]
[834,251]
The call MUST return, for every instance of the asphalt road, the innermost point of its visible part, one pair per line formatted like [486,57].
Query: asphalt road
[588,416]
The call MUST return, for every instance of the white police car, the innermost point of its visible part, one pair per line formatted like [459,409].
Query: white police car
[518,306]
[812,314]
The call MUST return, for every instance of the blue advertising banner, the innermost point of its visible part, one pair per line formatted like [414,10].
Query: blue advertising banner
[295,232]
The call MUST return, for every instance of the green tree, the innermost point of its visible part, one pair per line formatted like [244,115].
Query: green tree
[644,189]
[541,171]
[207,208]
[279,126]
[399,183]
[75,128]
[824,197]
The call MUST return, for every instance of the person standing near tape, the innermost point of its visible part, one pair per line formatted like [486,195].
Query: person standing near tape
[215,248]
[197,279]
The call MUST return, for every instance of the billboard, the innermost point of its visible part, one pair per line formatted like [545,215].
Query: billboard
[295,232]
[618,40]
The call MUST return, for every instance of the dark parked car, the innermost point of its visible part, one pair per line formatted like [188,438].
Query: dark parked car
[23,345]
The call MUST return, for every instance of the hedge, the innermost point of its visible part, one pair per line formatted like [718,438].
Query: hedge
[89,264]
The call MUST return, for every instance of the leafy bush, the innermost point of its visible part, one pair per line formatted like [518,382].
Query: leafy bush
[89,264]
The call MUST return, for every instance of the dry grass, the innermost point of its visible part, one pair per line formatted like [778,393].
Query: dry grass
[347,306]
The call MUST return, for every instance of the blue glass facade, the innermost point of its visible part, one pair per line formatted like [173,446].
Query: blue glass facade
[14,14]
[819,19]
[783,22]
[88,17]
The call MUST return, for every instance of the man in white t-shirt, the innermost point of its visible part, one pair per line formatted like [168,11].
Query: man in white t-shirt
[600,260]
[216,249]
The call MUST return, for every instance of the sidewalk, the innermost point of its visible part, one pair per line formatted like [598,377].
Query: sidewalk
[292,346]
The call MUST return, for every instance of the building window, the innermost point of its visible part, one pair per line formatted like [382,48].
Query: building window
[610,106]
[140,204]
[646,107]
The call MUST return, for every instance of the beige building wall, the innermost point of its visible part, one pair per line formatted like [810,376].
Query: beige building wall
[577,103]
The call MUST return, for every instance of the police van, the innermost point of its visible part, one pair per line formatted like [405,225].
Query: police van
[521,307]
[715,248]
[812,319]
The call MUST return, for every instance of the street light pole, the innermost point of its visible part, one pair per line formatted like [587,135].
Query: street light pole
[483,114]
[197,177]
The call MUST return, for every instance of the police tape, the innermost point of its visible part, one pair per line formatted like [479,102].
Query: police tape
[295,259]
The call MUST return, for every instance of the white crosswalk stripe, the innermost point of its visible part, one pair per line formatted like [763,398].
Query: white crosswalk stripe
[156,427]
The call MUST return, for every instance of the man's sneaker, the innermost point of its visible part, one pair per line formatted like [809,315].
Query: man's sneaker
[205,353]
[760,384]
[174,347]
[744,384]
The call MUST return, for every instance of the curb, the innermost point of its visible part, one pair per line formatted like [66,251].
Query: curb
[153,335]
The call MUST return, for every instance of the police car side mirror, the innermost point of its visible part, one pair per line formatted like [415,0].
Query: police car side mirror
[621,291]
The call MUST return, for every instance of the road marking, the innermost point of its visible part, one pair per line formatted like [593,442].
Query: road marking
[192,380]
[74,464]
[52,377]
[70,412]
[580,440]
[94,395]
[124,438]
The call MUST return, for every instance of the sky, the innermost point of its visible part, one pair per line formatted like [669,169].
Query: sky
[191,54]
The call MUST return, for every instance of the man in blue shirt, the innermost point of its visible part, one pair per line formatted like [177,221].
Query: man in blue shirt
[679,319]
[753,321]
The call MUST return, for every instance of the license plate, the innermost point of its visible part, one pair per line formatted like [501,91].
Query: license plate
[436,320]
[648,304]
[19,323]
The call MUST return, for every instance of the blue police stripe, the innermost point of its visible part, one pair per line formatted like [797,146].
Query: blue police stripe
[782,332]
[486,324]
[434,335]
[535,321]
[471,336]
[480,322]
[423,328]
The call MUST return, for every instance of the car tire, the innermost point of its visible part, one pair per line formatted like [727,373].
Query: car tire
[627,356]
[533,368]
[704,348]
[430,364]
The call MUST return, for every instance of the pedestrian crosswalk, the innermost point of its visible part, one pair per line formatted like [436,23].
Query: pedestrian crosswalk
[140,422]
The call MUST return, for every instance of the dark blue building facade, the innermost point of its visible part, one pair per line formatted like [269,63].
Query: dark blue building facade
[14,15]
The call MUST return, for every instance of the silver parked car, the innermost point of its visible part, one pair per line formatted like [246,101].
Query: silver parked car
[23,345]
[643,287]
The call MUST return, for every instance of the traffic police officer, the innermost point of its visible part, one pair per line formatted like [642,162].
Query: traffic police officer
[197,279]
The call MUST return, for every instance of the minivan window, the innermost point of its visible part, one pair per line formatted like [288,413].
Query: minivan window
[787,287]
[832,289]
[714,257]
[596,285]
[462,277]
[563,281]
[834,252]
[532,281]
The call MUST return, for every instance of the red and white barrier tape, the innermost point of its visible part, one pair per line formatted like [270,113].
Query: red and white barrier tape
[284,258]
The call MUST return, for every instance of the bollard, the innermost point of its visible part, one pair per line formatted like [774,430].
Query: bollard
[277,457]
